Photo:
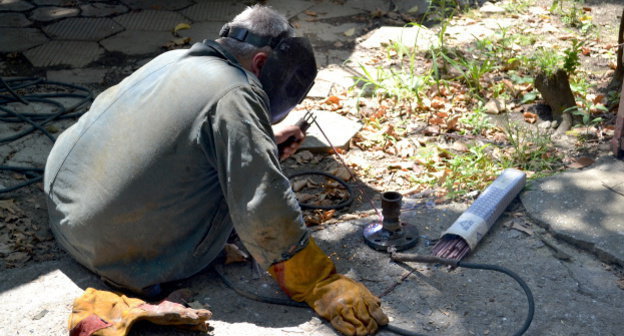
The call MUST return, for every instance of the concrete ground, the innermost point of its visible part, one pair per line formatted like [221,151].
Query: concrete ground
[563,237]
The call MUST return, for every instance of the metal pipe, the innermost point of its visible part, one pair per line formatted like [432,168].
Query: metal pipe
[391,210]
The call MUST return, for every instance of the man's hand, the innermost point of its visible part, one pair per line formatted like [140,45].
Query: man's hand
[310,276]
[290,137]
[350,307]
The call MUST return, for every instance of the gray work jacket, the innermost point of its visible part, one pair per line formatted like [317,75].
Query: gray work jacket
[146,187]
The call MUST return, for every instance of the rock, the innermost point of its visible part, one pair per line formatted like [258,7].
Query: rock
[556,91]
[544,125]
[412,7]
[495,106]
[491,8]
[419,37]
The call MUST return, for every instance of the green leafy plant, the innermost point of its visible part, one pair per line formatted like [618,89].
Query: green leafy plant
[472,170]
[473,71]
[531,149]
[571,60]
[572,14]
[476,122]
[546,61]
[517,6]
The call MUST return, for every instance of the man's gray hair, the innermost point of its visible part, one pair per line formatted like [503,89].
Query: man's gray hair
[260,20]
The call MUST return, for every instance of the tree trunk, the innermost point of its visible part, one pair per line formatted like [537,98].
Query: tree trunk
[619,70]
[555,90]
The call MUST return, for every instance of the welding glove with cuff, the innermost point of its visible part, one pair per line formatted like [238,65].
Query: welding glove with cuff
[310,276]
[104,313]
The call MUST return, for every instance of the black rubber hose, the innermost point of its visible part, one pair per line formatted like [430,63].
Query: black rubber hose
[12,92]
[389,327]
[340,205]
[37,121]
[34,174]
[525,287]
[254,296]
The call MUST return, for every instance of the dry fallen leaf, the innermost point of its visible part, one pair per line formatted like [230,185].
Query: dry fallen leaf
[437,102]
[460,146]
[304,197]
[234,254]
[529,117]
[451,124]
[181,26]
[520,225]
[436,121]
[5,248]
[581,162]
[349,32]
[332,100]
[17,258]
[299,184]
[303,157]
[9,205]
[342,173]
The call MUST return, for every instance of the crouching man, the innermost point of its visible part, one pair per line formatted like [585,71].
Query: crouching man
[148,185]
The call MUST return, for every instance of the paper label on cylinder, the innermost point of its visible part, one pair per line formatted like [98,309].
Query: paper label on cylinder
[470,227]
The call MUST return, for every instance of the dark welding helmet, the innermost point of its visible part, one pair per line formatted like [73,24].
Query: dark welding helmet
[287,74]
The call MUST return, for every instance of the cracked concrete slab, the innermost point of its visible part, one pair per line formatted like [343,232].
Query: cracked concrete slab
[86,29]
[213,10]
[371,5]
[51,2]
[45,14]
[158,4]
[77,76]
[15,5]
[329,10]
[467,32]
[339,129]
[99,9]
[419,37]
[72,53]
[30,151]
[200,31]
[14,20]
[583,207]
[151,20]
[325,32]
[412,7]
[20,39]
[338,75]
[134,42]
[290,8]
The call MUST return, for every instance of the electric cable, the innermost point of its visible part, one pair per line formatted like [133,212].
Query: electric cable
[389,327]
[37,121]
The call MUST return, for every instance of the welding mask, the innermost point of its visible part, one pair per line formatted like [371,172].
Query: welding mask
[288,73]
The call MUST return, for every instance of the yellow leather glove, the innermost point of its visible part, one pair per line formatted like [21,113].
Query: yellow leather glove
[105,313]
[310,276]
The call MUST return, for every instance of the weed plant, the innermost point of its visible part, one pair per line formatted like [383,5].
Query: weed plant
[506,56]
[477,122]
[573,15]
[472,170]
[531,150]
